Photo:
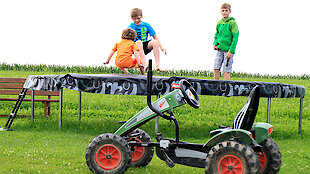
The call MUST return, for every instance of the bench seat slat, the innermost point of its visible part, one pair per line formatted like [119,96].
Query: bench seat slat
[11,85]
[27,99]
[16,92]
[12,80]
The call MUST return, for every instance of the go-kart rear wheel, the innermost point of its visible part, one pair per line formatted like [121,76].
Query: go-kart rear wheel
[270,157]
[231,157]
[108,153]
[141,156]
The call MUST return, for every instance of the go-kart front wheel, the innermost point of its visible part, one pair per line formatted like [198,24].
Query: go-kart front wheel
[231,157]
[108,153]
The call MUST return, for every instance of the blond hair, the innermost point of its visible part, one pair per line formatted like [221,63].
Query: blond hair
[226,6]
[135,12]
[129,33]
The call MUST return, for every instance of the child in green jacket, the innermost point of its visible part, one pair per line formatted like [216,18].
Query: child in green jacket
[225,41]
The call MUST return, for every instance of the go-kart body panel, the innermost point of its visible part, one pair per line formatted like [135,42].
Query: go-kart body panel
[262,131]
[167,102]
[240,134]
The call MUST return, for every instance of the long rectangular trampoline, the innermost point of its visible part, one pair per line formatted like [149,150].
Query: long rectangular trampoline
[136,85]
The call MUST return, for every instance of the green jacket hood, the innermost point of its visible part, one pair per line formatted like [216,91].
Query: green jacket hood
[229,19]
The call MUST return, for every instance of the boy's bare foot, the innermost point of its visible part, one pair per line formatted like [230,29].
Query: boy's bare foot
[160,69]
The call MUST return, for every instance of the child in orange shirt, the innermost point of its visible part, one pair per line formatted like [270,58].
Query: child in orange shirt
[125,48]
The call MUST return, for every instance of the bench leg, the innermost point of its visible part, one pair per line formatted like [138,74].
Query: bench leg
[49,109]
[45,109]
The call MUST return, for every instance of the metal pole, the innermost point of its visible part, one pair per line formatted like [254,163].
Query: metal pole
[268,110]
[32,105]
[80,103]
[300,114]
[156,119]
[60,108]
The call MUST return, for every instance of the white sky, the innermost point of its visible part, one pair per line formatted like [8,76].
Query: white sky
[274,34]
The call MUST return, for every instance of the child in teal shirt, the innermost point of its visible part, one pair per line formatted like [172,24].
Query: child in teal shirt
[144,29]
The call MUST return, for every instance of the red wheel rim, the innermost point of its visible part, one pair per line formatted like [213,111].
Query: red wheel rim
[230,164]
[138,152]
[262,159]
[108,157]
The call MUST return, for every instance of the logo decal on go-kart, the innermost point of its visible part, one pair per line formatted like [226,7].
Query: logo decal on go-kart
[160,105]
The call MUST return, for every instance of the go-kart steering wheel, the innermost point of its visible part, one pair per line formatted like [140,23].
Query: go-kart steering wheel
[189,93]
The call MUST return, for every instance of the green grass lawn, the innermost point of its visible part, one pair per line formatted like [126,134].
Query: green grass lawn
[40,147]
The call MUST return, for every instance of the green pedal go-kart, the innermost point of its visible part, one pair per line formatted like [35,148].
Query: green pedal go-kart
[243,148]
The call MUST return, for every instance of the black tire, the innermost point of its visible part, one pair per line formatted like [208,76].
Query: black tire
[270,157]
[108,153]
[141,156]
[224,155]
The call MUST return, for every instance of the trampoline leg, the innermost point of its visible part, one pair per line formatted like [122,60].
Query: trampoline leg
[300,115]
[80,104]
[268,110]
[60,108]
[156,119]
[32,105]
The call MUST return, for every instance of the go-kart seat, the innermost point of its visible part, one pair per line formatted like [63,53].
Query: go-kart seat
[246,116]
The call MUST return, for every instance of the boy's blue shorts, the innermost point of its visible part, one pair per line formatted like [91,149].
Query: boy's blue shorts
[221,60]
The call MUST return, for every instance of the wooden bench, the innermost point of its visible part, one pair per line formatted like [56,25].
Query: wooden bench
[14,86]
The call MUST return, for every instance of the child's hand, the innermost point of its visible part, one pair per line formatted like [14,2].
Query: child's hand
[164,51]
[215,47]
[229,55]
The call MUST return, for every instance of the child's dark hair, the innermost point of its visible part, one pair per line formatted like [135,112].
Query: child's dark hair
[129,33]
